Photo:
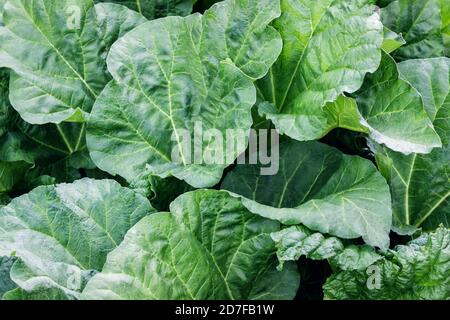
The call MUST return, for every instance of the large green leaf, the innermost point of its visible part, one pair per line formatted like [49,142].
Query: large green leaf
[420,270]
[421,22]
[329,46]
[69,41]
[209,247]
[394,111]
[153,9]
[431,77]
[173,73]
[319,187]
[420,184]
[62,234]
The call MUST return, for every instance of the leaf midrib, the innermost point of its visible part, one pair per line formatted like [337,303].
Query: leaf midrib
[59,53]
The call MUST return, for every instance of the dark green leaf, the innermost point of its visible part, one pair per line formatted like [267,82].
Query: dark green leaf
[153,9]
[421,23]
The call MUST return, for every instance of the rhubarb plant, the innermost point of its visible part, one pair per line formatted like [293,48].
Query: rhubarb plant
[224,150]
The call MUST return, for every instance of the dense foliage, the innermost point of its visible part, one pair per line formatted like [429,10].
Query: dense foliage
[95,96]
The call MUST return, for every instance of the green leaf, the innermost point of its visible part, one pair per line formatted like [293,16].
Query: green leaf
[394,111]
[420,270]
[355,258]
[420,184]
[329,46]
[431,78]
[173,73]
[62,234]
[30,152]
[153,9]
[41,144]
[392,41]
[320,187]
[2,4]
[445,13]
[161,192]
[32,155]
[11,174]
[344,113]
[39,294]
[6,284]
[421,24]
[5,110]
[209,247]
[67,70]
[297,241]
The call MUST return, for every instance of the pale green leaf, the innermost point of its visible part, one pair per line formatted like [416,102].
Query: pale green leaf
[174,73]
[69,41]
[6,284]
[394,111]
[420,184]
[431,77]
[297,241]
[355,258]
[62,234]
[420,270]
